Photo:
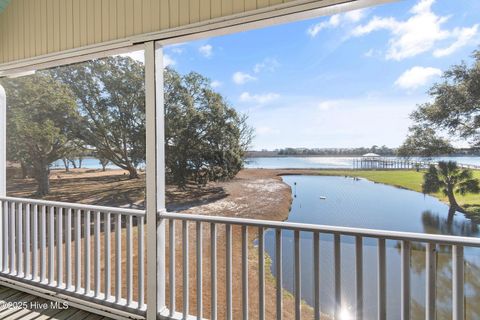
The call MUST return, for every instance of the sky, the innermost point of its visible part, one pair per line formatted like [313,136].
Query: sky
[346,80]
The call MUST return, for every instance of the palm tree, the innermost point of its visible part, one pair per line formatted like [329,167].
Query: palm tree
[449,178]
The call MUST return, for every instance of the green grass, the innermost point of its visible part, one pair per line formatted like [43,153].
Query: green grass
[412,180]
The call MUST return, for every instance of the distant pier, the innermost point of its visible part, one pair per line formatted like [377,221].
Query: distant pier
[373,161]
[388,164]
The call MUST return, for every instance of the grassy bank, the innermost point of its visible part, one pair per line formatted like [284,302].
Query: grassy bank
[412,180]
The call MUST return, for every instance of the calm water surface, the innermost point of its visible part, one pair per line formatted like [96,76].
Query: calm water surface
[329,162]
[365,204]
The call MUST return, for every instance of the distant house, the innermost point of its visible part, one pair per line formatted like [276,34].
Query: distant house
[371,156]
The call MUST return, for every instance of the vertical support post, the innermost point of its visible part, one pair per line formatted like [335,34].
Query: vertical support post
[430,275]
[3,159]
[405,280]
[458,278]
[382,280]
[155,169]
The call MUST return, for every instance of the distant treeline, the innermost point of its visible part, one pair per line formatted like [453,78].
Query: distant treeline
[382,151]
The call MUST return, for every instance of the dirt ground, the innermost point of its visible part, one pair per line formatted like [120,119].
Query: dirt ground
[254,193]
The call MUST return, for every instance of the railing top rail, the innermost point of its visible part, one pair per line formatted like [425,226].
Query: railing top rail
[76,206]
[347,231]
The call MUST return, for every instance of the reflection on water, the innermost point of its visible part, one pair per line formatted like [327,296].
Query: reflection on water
[359,203]
[433,223]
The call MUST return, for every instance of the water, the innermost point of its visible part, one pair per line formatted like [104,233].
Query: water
[283,162]
[365,204]
[330,162]
[89,163]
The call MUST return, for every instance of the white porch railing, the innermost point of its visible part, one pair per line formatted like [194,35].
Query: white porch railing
[76,250]
[96,254]
[432,242]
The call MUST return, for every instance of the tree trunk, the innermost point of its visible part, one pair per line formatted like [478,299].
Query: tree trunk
[74,164]
[453,202]
[133,174]
[43,181]
[104,167]
[451,214]
[24,170]
[80,160]
[67,166]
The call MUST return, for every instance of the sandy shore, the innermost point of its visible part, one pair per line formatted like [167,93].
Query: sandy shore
[254,193]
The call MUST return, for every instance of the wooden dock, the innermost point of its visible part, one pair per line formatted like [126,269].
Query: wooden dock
[398,164]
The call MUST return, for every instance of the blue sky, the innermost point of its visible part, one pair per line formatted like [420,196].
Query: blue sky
[346,80]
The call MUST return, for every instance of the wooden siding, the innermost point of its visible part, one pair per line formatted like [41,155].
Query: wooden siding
[30,28]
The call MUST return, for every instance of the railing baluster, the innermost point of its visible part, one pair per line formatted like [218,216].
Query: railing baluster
[59,247]
[2,235]
[228,271]
[430,275]
[382,280]
[129,257]
[27,249]
[405,300]
[78,250]
[87,252]
[359,277]
[141,265]
[51,245]
[118,258]
[244,272]
[199,271]
[298,278]
[43,241]
[458,294]
[6,236]
[316,274]
[185,268]
[35,243]
[19,239]
[261,273]
[108,255]
[96,261]
[12,238]
[171,269]
[213,272]
[337,269]
[68,249]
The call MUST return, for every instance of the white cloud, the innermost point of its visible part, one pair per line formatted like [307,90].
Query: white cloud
[259,98]
[329,105]
[337,20]
[242,77]
[269,64]
[215,84]
[417,77]
[206,50]
[355,15]
[372,53]
[464,37]
[168,61]
[135,55]
[420,33]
